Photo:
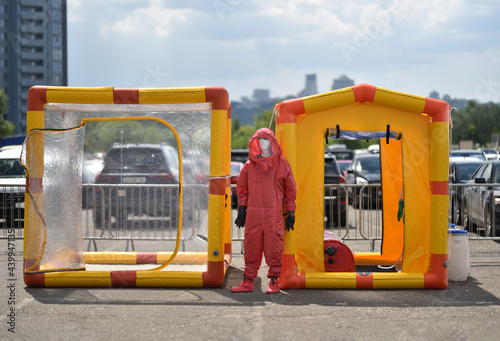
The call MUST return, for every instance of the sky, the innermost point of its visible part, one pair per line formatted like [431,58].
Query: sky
[411,46]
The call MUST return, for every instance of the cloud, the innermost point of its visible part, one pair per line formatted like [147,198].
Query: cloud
[154,19]
[404,45]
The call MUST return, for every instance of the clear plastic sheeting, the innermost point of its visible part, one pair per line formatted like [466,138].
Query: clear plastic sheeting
[134,200]
[54,163]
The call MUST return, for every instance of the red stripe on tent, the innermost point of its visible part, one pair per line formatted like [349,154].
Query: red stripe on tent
[229,113]
[439,187]
[217,186]
[228,249]
[438,277]
[364,281]
[290,279]
[34,280]
[364,93]
[37,97]
[146,257]
[35,185]
[214,276]
[123,279]
[289,110]
[126,96]
[438,109]
[218,96]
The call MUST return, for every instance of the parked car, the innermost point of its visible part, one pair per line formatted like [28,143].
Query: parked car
[481,200]
[335,197]
[491,153]
[239,155]
[12,187]
[469,153]
[365,170]
[374,148]
[137,164]
[461,170]
[236,168]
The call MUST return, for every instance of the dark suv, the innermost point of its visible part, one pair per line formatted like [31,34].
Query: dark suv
[139,167]
[335,196]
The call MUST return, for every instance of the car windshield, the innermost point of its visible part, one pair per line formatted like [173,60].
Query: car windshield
[368,165]
[465,171]
[342,155]
[124,158]
[11,168]
[477,155]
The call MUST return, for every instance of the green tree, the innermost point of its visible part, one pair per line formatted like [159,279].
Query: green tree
[100,136]
[235,124]
[262,120]
[240,138]
[6,128]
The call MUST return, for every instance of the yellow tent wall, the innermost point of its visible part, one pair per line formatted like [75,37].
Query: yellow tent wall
[419,163]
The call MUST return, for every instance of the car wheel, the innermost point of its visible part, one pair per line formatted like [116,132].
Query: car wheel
[456,212]
[465,217]
[98,221]
[487,223]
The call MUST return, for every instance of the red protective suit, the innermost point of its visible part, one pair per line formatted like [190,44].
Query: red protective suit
[264,186]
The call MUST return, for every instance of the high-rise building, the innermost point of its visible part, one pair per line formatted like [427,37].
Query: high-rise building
[434,94]
[311,87]
[261,95]
[33,51]
[342,82]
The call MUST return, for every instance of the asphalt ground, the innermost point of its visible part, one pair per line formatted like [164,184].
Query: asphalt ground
[468,310]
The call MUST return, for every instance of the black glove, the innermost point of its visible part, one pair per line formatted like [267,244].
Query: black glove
[242,216]
[290,220]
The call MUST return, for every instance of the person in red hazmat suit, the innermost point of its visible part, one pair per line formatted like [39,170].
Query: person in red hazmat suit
[265,186]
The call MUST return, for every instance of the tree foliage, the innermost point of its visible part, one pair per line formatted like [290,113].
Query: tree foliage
[242,134]
[476,122]
[6,128]
[99,137]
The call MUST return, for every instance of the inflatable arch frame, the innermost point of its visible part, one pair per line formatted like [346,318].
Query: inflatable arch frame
[418,164]
[217,258]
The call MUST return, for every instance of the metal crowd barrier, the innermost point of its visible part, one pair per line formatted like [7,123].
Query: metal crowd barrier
[363,214]
[12,211]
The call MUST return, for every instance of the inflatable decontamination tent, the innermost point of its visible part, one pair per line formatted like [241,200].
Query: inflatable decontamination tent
[188,127]
[414,142]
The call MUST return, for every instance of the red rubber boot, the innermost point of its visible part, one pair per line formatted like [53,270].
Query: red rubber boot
[246,285]
[274,286]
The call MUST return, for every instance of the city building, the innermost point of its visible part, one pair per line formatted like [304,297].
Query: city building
[311,87]
[261,95]
[434,94]
[33,51]
[342,82]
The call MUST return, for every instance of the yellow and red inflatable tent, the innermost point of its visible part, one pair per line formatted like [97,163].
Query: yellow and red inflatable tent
[416,164]
[53,110]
